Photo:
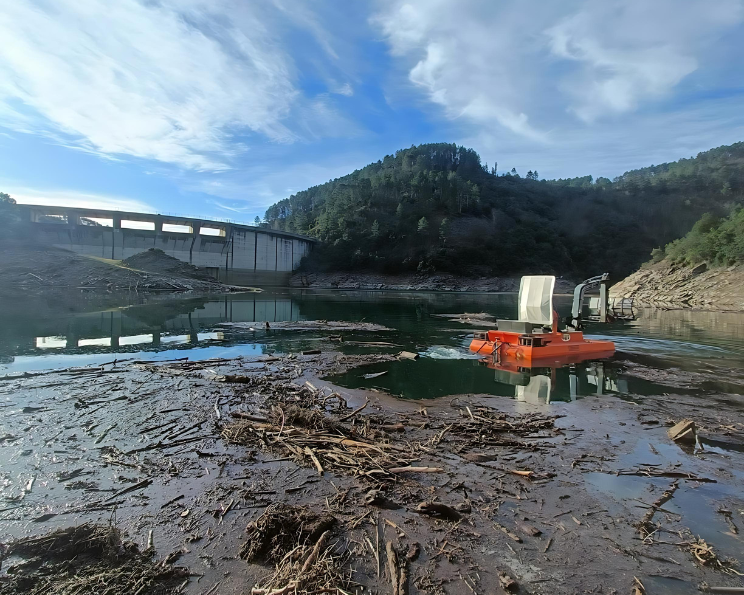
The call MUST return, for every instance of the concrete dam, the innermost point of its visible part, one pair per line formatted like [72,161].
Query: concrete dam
[231,252]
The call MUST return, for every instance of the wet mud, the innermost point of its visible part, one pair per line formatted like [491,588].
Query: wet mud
[257,475]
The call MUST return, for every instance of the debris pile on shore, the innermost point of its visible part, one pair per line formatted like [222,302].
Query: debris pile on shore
[88,558]
[297,541]
[301,430]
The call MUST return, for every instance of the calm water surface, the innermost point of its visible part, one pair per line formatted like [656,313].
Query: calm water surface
[62,331]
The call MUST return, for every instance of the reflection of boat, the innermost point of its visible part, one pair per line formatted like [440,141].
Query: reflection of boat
[534,338]
[562,380]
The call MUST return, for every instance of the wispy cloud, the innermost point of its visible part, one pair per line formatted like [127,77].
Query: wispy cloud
[345,89]
[82,200]
[632,51]
[518,66]
[170,81]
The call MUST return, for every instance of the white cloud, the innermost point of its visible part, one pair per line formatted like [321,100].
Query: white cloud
[345,89]
[472,58]
[519,67]
[635,50]
[81,200]
[169,80]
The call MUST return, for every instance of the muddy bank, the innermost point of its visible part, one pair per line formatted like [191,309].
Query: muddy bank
[41,270]
[665,284]
[414,282]
[259,472]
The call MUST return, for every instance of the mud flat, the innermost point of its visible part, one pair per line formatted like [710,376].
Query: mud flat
[256,475]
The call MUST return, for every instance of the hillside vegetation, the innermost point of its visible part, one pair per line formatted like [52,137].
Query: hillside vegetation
[716,240]
[436,207]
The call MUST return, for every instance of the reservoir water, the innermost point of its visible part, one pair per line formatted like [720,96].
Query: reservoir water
[62,331]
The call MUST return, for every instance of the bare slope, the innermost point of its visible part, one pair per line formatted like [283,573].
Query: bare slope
[677,285]
[52,268]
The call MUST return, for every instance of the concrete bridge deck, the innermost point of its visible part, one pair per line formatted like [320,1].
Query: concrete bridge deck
[231,252]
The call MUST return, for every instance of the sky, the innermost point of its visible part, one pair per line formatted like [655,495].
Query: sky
[219,108]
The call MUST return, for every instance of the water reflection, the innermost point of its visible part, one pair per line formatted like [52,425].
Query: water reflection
[137,327]
[543,385]
[87,327]
[430,378]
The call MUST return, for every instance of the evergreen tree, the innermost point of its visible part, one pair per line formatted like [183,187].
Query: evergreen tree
[503,225]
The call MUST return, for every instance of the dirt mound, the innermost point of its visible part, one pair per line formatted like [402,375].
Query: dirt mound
[280,529]
[40,270]
[89,558]
[155,260]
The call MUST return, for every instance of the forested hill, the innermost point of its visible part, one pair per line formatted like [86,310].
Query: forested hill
[436,207]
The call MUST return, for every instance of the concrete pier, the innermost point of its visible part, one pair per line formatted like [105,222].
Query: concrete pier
[231,252]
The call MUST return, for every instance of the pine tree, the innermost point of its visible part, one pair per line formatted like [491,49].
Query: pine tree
[443,226]
[423,225]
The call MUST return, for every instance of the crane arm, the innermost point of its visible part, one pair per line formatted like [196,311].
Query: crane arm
[578,299]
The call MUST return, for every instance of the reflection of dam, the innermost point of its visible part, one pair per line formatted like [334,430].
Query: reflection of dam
[154,325]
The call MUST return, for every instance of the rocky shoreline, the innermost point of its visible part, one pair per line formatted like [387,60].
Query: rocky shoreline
[414,282]
[671,285]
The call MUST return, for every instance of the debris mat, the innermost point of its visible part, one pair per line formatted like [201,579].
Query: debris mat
[89,558]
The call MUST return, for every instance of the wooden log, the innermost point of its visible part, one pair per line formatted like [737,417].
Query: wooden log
[353,413]
[392,560]
[248,416]
[309,452]
[416,470]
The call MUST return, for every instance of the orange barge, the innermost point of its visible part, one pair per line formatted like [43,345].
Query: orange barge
[535,338]
[539,347]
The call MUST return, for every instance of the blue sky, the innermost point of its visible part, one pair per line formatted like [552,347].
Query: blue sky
[219,108]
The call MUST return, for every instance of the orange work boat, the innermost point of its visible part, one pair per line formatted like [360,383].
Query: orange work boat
[535,337]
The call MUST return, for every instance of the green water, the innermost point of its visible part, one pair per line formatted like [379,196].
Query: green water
[80,329]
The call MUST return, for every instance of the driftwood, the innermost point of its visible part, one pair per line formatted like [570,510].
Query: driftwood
[410,469]
[645,526]
[353,413]
[137,486]
[392,560]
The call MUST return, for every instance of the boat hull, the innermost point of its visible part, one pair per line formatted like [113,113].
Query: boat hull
[540,346]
